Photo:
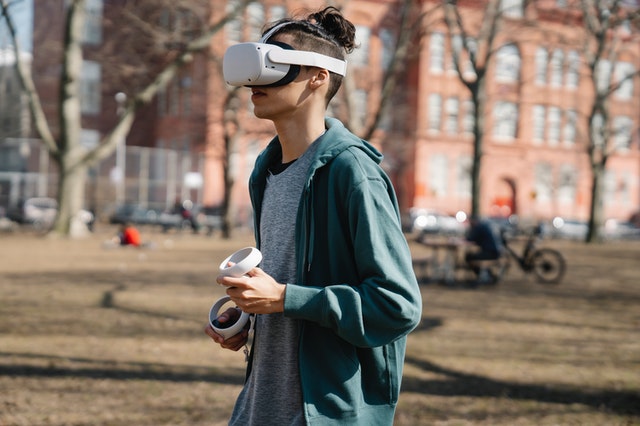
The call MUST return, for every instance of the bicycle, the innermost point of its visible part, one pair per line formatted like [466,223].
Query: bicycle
[547,265]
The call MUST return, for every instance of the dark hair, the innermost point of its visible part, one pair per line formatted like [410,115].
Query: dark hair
[326,31]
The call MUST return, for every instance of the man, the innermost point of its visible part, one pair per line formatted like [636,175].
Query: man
[486,246]
[335,294]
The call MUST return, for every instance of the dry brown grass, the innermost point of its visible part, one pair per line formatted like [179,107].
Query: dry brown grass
[114,337]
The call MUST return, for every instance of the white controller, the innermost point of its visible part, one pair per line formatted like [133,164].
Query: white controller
[242,261]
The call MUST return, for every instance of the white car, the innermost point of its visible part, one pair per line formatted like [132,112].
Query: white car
[41,212]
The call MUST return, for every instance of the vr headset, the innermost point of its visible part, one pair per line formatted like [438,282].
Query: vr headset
[272,64]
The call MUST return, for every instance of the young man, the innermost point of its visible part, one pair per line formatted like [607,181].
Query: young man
[335,294]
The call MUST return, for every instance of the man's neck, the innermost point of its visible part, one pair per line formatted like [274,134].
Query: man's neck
[295,137]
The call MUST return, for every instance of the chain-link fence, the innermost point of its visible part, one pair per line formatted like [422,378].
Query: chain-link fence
[150,177]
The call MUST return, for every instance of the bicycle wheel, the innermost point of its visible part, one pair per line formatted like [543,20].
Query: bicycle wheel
[548,265]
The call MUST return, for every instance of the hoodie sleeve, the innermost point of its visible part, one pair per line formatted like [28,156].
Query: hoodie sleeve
[362,283]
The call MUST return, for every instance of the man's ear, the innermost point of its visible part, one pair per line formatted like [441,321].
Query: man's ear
[319,79]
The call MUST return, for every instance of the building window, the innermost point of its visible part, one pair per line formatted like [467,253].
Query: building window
[556,65]
[624,73]
[435,112]
[360,103]
[93,22]
[543,184]
[597,125]
[542,59]
[90,88]
[511,8]
[436,53]
[451,109]
[505,115]
[438,178]
[622,127]
[603,75]
[463,176]
[387,39]
[508,64]
[553,120]
[569,128]
[573,69]
[469,120]
[539,120]
[609,183]
[277,13]
[567,182]
[89,139]
[255,20]
[233,28]
[360,56]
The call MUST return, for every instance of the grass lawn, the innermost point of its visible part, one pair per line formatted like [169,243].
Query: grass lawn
[90,336]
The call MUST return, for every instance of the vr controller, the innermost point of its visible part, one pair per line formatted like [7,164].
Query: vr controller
[236,265]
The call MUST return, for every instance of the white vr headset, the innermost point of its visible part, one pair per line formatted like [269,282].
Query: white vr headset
[266,64]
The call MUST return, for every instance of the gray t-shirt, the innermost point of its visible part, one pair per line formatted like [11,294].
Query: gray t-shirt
[272,394]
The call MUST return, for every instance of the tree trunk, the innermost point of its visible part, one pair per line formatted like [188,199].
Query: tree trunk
[479,101]
[70,199]
[596,212]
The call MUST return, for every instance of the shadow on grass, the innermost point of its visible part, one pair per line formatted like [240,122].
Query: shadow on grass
[465,384]
[121,371]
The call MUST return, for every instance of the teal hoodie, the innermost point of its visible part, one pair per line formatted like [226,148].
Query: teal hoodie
[356,294]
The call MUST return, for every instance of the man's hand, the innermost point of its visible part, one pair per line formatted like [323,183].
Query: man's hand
[255,293]
[233,343]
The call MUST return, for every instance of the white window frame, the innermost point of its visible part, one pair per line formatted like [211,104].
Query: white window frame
[554,120]
[438,175]
[572,77]
[508,64]
[91,88]
[556,65]
[623,71]
[452,110]
[436,53]
[505,116]
[435,112]
[539,120]
[360,56]
[542,65]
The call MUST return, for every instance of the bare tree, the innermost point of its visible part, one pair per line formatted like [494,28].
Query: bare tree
[472,51]
[71,157]
[605,39]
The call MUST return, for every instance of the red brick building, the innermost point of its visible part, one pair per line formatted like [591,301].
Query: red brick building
[539,93]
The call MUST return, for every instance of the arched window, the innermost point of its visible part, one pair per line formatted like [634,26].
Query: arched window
[508,64]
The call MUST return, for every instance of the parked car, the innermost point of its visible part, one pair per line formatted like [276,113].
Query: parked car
[621,230]
[41,212]
[135,214]
[570,229]
[424,221]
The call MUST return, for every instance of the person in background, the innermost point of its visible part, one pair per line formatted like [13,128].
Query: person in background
[335,295]
[486,245]
[129,235]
